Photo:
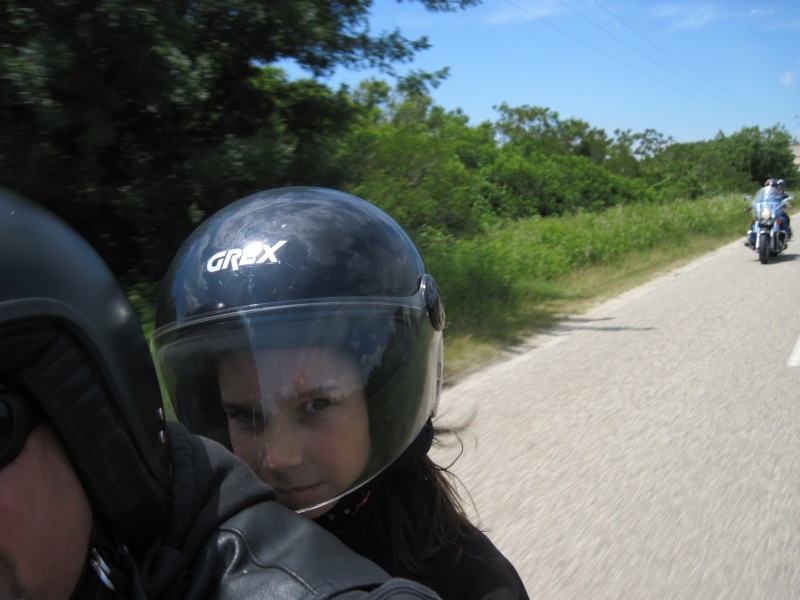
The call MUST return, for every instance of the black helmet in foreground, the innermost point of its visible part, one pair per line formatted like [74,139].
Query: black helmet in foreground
[73,353]
[302,318]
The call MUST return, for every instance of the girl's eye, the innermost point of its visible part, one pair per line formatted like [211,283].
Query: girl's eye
[244,416]
[316,405]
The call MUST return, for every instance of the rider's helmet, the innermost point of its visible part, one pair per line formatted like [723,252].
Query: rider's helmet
[279,283]
[780,184]
[771,182]
[75,355]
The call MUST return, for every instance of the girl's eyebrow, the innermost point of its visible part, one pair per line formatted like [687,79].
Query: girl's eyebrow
[317,391]
[322,390]
[237,406]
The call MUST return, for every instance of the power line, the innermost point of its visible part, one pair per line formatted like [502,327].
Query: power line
[615,59]
[652,60]
[677,60]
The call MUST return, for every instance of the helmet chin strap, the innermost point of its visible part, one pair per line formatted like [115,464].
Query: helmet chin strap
[418,448]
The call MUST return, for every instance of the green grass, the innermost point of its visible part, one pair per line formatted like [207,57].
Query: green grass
[524,276]
[466,352]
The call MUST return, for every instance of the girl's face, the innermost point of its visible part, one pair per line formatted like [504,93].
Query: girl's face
[299,418]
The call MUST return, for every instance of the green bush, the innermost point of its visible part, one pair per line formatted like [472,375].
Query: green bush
[519,261]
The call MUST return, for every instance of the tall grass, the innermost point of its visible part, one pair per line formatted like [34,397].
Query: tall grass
[494,283]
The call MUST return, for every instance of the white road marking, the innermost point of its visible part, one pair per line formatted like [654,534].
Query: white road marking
[794,357]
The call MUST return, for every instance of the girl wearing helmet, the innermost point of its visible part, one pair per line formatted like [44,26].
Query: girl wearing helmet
[299,327]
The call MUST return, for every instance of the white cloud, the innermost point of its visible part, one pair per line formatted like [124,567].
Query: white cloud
[525,10]
[686,16]
[788,79]
[790,25]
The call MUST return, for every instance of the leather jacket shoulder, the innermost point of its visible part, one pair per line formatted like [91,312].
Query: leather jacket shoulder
[266,551]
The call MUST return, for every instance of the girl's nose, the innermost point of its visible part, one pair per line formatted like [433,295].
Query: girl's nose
[283,447]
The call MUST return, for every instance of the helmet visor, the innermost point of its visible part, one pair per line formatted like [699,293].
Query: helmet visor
[317,397]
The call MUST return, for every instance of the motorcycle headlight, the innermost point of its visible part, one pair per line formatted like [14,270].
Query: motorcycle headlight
[766,214]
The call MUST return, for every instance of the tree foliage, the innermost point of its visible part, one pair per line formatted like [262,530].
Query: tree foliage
[726,163]
[404,158]
[134,121]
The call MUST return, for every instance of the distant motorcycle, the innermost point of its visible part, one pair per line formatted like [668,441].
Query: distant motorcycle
[768,234]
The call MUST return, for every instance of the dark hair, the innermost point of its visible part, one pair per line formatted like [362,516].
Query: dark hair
[420,492]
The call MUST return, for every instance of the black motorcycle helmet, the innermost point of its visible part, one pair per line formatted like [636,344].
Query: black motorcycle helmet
[75,355]
[304,271]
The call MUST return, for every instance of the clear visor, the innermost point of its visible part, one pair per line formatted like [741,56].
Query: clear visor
[317,398]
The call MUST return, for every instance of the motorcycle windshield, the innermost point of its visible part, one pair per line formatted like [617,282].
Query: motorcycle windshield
[767,198]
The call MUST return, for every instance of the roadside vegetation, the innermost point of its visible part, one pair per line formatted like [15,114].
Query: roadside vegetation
[519,279]
[134,122]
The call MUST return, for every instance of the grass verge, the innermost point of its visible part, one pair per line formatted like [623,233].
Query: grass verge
[473,347]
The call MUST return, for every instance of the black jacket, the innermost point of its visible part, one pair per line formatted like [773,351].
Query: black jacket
[229,540]
[481,572]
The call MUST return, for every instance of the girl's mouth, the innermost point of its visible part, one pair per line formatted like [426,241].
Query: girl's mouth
[297,497]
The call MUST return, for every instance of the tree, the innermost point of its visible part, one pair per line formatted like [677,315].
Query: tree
[535,129]
[134,120]
[404,157]
[760,153]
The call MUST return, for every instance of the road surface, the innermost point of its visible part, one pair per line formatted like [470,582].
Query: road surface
[649,448]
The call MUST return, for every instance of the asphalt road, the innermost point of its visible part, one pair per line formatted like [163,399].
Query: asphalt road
[649,448]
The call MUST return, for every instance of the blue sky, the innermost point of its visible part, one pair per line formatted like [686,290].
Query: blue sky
[685,69]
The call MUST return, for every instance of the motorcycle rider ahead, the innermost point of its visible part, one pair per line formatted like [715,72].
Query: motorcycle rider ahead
[772,195]
[781,185]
